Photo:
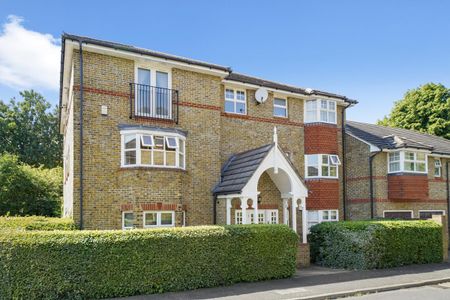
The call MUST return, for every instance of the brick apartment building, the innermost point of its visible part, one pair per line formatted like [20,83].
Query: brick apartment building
[152,140]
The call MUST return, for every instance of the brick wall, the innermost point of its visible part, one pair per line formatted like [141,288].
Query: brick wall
[321,138]
[322,194]
[407,187]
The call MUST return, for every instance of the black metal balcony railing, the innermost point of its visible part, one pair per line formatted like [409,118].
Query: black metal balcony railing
[153,102]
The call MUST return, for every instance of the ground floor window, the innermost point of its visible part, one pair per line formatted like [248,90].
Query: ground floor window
[427,214]
[127,220]
[159,219]
[398,214]
[318,216]
[265,216]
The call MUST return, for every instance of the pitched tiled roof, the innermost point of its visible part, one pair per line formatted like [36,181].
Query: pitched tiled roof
[279,86]
[239,169]
[394,138]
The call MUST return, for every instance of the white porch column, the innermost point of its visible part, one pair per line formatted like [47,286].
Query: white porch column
[255,209]
[294,213]
[285,211]
[304,221]
[228,210]
[244,209]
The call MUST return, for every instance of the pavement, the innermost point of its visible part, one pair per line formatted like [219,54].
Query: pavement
[322,283]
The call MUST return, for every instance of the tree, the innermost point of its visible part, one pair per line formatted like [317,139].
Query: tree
[26,190]
[425,109]
[29,129]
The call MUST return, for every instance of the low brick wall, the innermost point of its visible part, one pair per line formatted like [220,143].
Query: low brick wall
[303,258]
[444,222]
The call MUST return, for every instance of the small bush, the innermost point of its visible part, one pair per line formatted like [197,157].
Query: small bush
[101,264]
[375,244]
[36,223]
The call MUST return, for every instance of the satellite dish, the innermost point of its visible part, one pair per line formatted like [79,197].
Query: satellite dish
[309,90]
[261,95]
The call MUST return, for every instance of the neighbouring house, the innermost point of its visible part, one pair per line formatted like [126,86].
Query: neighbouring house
[154,140]
[395,173]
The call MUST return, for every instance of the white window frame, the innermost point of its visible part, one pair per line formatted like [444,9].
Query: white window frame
[321,219]
[285,106]
[153,69]
[431,210]
[235,100]
[139,134]
[403,160]
[318,111]
[123,219]
[158,218]
[438,167]
[320,164]
[398,210]
[267,215]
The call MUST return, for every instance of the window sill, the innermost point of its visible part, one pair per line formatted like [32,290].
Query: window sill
[151,168]
[320,123]
[409,173]
[234,113]
[281,117]
[321,178]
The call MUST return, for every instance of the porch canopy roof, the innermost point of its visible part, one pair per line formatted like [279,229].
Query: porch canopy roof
[241,173]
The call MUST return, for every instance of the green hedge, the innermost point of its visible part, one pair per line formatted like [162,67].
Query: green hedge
[36,223]
[375,244]
[100,264]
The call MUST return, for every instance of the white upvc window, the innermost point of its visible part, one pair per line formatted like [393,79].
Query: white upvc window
[321,166]
[398,214]
[153,149]
[427,214]
[153,97]
[127,220]
[437,168]
[407,161]
[280,108]
[265,216]
[320,110]
[318,216]
[235,101]
[159,219]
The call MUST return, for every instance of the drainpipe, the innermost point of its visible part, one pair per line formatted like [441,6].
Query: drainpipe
[81,133]
[344,171]
[371,157]
[448,193]
[215,210]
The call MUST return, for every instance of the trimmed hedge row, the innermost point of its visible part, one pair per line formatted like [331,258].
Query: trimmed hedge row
[36,223]
[375,244]
[101,264]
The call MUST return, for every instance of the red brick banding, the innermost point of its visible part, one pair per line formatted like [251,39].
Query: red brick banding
[407,187]
[126,207]
[323,194]
[321,138]
[259,119]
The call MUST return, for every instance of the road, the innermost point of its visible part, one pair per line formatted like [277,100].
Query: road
[434,292]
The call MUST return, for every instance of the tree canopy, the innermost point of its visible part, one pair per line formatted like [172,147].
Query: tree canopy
[425,109]
[29,129]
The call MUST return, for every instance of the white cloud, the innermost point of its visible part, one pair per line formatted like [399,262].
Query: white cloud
[28,59]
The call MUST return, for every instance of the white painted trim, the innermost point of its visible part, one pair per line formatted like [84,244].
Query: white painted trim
[398,210]
[372,148]
[431,210]
[158,218]
[251,213]
[123,219]
[146,57]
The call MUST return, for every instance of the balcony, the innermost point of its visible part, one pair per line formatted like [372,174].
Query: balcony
[153,102]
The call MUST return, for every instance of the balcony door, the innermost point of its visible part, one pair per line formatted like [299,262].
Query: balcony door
[163,97]
[144,97]
[153,96]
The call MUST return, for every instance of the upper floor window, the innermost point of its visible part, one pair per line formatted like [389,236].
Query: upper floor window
[322,165]
[407,161]
[280,107]
[235,101]
[437,168]
[153,149]
[320,110]
[153,96]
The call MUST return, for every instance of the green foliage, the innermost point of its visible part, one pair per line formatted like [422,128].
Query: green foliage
[100,264]
[29,130]
[25,190]
[36,223]
[375,244]
[425,109]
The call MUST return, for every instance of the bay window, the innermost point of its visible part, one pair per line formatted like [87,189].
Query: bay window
[153,149]
[320,110]
[321,165]
[407,161]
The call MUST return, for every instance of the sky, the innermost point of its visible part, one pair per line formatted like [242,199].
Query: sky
[371,51]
